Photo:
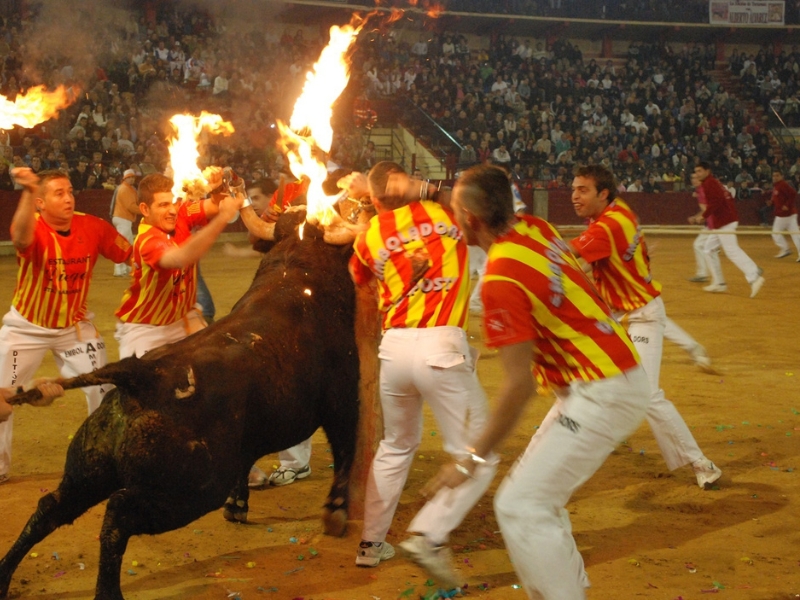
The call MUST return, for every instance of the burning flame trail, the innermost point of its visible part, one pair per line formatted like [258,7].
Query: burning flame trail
[33,107]
[190,181]
[309,133]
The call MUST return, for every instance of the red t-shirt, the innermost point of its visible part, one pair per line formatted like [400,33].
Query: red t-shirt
[783,199]
[720,205]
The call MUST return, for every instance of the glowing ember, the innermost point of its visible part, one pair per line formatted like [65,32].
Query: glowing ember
[190,181]
[33,107]
[309,133]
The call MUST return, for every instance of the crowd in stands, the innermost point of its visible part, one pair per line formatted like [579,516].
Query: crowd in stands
[541,109]
[771,79]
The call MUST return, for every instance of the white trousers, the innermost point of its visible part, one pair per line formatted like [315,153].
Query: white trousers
[139,338]
[678,335]
[297,456]
[787,224]
[699,254]
[435,365]
[477,268]
[77,350]
[125,229]
[584,425]
[646,329]
[730,246]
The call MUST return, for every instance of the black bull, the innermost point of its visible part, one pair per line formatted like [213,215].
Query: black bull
[176,438]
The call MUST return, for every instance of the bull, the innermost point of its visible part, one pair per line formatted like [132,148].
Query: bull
[176,438]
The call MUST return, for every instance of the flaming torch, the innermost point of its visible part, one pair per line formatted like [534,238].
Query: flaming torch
[33,107]
[190,182]
[309,135]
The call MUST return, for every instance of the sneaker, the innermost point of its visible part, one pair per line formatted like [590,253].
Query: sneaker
[287,475]
[699,279]
[701,359]
[370,553]
[257,478]
[436,560]
[783,253]
[756,286]
[3,478]
[707,473]
[716,288]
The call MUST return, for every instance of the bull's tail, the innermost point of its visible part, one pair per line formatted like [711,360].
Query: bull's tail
[128,373]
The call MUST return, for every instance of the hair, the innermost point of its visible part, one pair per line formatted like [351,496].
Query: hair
[46,177]
[603,178]
[378,178]
[153,184]
[265,184]
[489,195]
[704,164]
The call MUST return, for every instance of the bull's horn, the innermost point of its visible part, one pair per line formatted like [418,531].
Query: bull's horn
[258,227]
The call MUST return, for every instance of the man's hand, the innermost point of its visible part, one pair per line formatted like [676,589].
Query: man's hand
[451,475]
[26,178]
[356,185]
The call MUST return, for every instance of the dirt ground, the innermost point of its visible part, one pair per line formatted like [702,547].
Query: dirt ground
[644,532]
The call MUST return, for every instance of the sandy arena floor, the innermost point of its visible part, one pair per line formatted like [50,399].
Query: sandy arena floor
[644,532]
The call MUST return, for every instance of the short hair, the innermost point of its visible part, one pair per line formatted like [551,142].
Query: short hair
[153,184]
[704,164]
[49,175]
[603,178]
[489,198]
[266,185]
[378,177]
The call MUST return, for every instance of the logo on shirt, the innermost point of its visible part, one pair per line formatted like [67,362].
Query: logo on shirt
[498,324]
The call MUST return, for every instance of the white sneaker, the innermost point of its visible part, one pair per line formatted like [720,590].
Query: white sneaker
[756,286]
[257,478]
[716,288]
[287,475]
[707,473]
[783,253]
[699,279]
[370,553]
[701,359]
[436,560]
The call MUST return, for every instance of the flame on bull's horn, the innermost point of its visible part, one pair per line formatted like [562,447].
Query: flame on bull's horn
[190,181]
[35,106]
[308,137]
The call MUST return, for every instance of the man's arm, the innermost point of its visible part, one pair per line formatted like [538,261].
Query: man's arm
[193,249]
[518,387]
[23,223]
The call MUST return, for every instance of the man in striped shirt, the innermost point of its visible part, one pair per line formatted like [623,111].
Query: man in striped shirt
[541,308]
[416,252]
[614,245]
[57,249]
[160,306]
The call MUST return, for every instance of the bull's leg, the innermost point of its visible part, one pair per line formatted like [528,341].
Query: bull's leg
[133,511]
[236,507]
[54,510]
[341,428]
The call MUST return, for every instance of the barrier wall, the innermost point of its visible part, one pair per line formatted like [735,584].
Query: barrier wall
[669,208]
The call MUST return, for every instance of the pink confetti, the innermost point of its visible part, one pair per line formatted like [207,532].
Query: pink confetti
[60,573]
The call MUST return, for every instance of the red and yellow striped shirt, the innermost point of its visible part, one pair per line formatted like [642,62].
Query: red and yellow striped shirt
[55,270]
[614,245]
[534,290]
[161,296]
[417,254]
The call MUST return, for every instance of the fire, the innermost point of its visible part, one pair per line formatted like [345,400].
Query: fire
[33,107]
[190,181]
[309,133]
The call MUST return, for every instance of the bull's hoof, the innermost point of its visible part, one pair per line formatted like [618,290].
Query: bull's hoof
[335,521]
[235,512]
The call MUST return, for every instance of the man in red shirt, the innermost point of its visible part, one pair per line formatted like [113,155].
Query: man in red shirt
[783,202]
[415,252]
[722,220]
[57,249]
[541,308]
[160,305]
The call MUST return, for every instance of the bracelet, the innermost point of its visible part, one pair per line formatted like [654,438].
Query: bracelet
[463,470]
[246,202]
[423,190]
[478,460]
